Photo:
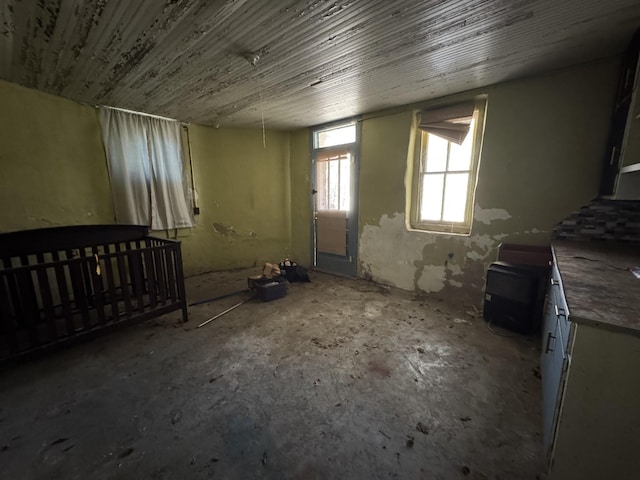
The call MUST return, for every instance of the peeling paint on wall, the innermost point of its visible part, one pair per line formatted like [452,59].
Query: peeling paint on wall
[422,261]
[391,254]
[481,246]
[388,252]
[226,230]
[432,278]
[488,215]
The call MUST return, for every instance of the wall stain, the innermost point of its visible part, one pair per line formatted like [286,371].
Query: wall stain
[227,231]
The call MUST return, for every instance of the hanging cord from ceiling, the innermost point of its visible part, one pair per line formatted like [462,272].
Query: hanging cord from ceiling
[253,59]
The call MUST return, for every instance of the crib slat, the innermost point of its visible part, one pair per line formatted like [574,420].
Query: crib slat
[96,280]
[13,289]
[28,301]
[124,283]
[47,299]
[86,278]
[168,255]
[135,266]
[162,285]
[77,285]
[151,279]
[63,291]
[108,266]
[7,318]
[182,296]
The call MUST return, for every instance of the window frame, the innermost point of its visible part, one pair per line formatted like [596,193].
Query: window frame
[317,130]
[419,170]
[318,152]
[332,154]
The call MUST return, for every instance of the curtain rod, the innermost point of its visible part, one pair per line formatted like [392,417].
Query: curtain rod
[141,113]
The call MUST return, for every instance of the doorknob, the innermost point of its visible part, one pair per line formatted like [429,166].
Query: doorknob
[314,191]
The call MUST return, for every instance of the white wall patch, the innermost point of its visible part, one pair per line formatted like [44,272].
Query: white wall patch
[432,278]
[488,215]
[388,252]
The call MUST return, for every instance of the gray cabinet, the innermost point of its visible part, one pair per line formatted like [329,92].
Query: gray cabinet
[554,360]
[625,151]
[589,361]
[615,180]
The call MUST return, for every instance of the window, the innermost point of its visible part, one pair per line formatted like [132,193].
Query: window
[333,180]
[445,167]
[333,167]
[330,137]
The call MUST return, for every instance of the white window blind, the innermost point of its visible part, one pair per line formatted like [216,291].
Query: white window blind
[451,123]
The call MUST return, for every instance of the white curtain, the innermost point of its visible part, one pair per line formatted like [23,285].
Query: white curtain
[146,169]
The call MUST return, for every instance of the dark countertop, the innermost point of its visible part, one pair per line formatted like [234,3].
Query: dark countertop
[599,288]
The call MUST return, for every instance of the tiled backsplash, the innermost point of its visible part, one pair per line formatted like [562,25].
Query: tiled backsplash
[602,220]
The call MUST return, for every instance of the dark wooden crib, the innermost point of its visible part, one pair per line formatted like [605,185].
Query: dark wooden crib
[61,284]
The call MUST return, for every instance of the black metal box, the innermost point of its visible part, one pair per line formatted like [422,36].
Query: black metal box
[514,296]
[272,290]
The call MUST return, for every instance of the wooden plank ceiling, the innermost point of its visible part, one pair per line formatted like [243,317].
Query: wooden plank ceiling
[297,63]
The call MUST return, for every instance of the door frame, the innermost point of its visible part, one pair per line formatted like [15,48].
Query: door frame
[347,266]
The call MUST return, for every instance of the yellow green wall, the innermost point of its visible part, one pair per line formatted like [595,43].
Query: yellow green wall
[53,171]
[52,164]
[301,197]
[244,198]
[541,159]
[543,144]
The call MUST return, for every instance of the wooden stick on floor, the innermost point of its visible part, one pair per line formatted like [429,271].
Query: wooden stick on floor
[220,297]
[225,312]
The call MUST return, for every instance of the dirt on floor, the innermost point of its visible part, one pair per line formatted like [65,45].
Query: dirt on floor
[342,378]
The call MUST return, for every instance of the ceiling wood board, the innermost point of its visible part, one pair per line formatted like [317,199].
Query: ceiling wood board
[315,61]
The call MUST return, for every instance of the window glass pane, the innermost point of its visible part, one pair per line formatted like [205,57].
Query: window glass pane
[455,197]
[460,155]
[436,160]
[334,184]
[322,197]
[431,204]
[335,136]
[345,183]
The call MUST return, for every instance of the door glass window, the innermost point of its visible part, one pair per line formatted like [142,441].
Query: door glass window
[330,137]
[333,181]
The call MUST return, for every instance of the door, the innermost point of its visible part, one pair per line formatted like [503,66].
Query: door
[334,198]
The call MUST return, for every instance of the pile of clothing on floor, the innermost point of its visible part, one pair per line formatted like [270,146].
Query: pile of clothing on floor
[285,271]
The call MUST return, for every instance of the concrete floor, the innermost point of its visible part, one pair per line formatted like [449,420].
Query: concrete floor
[340,379]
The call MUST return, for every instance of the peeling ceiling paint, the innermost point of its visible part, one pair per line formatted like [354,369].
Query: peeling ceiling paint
[301,63]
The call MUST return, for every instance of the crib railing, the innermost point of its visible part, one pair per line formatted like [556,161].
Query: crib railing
[65,283]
